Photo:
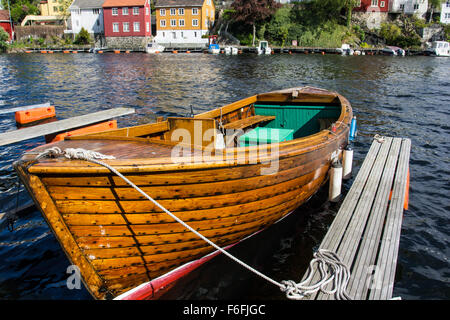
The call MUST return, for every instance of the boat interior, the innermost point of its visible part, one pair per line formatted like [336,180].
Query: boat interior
[252,121]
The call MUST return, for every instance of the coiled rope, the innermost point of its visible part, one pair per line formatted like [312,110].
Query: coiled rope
[331,269]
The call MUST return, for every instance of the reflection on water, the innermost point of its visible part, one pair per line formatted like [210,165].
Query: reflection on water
[407,97]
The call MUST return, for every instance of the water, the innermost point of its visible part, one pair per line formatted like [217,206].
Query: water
[405,97]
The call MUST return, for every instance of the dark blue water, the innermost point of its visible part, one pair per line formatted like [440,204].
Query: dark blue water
[405,97]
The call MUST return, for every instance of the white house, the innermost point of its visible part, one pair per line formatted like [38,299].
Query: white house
[87,14]
[445,12]
[417,7]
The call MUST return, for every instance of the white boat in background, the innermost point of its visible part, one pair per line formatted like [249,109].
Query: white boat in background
[345,50]
[231,50]
[263,48]
[393,51]
[439,49]
[153,47]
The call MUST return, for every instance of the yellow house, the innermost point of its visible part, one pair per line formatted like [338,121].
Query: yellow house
[50,7]
[183,21]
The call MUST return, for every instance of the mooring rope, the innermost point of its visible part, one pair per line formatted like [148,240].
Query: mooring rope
[330,267]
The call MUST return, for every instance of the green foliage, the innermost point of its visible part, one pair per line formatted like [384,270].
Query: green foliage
[447,32]
[390,32]
[4,38]
[22,8]
[83,37]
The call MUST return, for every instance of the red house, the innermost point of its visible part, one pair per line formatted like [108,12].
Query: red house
[5,22]
[127,22]
[373,6]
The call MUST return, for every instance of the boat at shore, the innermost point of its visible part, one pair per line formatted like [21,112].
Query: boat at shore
[228,173]
[263,48]
[154,47]
[439,49]
[393,51]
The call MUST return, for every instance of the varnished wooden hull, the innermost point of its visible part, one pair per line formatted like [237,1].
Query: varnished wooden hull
[119,240]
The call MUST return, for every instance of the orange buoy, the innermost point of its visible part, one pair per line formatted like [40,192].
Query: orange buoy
[99,127]
[406,203]
[174,51]
[323,53]
[156,51]
[28,51]
[116,51]
[50,51]
[128,51]
[188,51]
[74,51]
[43,51]
[290,52]
[36,114]
[240,51]
[100,51]
[66,51]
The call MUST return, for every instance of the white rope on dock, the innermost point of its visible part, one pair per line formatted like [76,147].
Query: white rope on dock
[331,269]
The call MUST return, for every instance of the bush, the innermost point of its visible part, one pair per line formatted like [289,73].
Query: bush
[83,37]
[4,38]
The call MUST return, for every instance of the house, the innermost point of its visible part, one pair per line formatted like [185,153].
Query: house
[5,23]
[52,12]
[184,21]
[445,12]
[372,6]
[372,12]
[416,7]
[87,14]
[127,23]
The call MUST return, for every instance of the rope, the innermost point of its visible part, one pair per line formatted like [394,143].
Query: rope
[329,265]
[378,138]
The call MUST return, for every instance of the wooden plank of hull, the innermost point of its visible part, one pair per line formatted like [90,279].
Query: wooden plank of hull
[175,205]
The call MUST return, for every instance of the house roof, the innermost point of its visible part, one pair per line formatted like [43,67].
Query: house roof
[86,4]
[123,3]
[178,3]
[4,15]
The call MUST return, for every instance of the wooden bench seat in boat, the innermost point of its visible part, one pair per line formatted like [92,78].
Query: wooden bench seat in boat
[248,122]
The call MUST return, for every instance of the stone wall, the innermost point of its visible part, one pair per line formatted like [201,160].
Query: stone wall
[38,31]
[127,42]
[372,20]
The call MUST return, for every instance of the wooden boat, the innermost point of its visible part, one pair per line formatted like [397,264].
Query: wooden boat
[119,240]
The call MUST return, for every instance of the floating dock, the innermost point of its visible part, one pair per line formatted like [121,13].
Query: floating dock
[61,125]
[365,233]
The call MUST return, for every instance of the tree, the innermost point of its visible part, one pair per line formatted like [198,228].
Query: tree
[4,38]
[350,5]
[83,37]
[433,5]
[252,12]
[22,8]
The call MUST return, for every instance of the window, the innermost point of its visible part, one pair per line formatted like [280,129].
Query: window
[115,11]
[416,6]
[173,22]
[181,22]
[195,11]
[207,12]
[174,35]
[136,27]
[115,27]
[96,11]
[195,22]
[162,12]
[402,7]
[195,34]
[135,11]
[147,26]
[126,27]
[374,3]
[147,11]
[181,11]
[162,23]
[382,4]
[125,11]
[173,11]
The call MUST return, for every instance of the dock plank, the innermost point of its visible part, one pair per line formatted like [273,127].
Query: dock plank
[15,109]
[61,125]
[365,233]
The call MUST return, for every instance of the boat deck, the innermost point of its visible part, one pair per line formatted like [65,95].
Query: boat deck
[365,233]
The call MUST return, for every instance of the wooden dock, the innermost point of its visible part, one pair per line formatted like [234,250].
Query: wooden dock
[61,125]
[365,233]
